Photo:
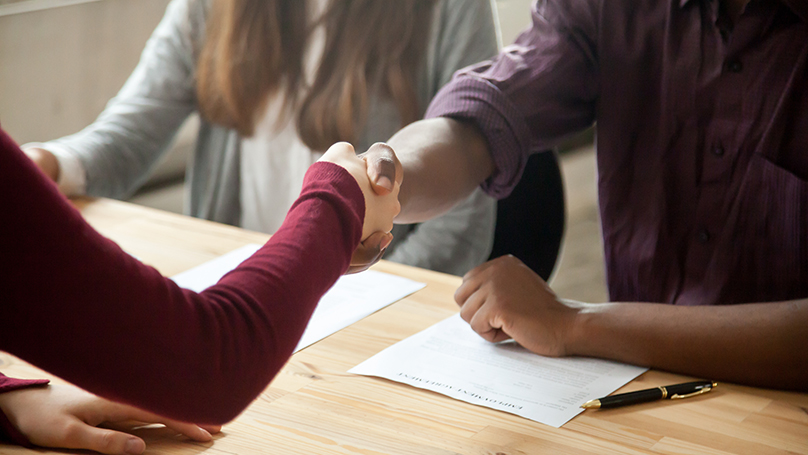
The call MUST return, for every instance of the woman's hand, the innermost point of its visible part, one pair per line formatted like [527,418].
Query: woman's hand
[64,416]
[380,209]
[45,161]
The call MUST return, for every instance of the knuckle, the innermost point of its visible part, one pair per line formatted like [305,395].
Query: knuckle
[382,147]
[465,315]
[341,147]
[480,330]
[460,295]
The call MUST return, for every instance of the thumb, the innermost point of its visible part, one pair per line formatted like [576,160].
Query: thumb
[383,167]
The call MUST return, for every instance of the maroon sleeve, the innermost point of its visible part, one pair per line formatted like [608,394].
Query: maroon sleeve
[534,93]
[8,433]
[78,306]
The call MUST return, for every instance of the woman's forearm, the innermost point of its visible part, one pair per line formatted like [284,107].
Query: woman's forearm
[78,306]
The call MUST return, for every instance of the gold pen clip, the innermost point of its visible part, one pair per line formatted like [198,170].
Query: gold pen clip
[676,396]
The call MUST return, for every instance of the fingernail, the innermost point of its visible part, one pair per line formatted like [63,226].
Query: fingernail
[134,446]
[384,182]
[386,242]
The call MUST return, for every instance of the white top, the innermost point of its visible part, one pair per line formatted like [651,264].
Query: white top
[275,159]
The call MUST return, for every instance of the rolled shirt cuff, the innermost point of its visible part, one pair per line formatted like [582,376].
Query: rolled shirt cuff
[473,99]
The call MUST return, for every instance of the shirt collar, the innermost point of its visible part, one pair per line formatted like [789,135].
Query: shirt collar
[799,7]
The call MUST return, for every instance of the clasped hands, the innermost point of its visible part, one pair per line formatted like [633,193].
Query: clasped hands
[379,175]
[377,171]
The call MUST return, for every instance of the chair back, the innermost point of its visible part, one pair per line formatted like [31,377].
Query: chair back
[530,221]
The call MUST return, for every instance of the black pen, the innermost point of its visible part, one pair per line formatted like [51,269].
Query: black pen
[670,392]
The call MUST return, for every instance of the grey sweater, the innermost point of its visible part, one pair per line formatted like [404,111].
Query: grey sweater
[136,128]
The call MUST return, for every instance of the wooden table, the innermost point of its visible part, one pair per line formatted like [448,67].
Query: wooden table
[315,407]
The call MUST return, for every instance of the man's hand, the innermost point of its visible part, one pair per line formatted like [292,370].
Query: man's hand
[45,161]
[64,416]
[503,299]
[383,168]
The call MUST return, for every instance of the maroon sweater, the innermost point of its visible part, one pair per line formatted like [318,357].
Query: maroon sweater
[78,306]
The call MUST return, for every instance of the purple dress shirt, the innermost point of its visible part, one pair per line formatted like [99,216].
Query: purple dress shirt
[702,143]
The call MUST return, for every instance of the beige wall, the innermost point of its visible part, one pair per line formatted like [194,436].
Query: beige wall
[514,16]
[60,65]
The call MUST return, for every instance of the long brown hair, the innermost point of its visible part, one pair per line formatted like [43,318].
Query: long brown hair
[254,48]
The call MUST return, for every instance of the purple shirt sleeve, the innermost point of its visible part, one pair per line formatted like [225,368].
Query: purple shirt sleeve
[533,94]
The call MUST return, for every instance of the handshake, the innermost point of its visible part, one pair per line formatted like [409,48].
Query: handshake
[379,175]
[377,171]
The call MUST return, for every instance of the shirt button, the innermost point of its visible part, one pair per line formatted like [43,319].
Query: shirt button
[718,151]
[734,66]
[703,236]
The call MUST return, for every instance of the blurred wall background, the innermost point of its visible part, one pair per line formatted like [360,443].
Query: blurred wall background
[59,65]
[62,60]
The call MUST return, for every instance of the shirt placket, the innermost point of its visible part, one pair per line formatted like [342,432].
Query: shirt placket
[723,126]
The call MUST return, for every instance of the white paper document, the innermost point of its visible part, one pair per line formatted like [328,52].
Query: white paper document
[449,358]
[352,298]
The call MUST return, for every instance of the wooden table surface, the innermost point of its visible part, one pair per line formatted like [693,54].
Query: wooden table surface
[315,407]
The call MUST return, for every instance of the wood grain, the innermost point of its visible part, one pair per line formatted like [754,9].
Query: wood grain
[315,407]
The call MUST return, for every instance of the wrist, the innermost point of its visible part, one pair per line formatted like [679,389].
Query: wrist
[579,333]
[10,406]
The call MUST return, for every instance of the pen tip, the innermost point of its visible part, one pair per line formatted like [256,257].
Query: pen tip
[591,404]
